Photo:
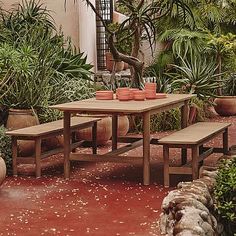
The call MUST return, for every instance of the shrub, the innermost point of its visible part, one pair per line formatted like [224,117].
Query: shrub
[225,195]
[169,120]
[5,147]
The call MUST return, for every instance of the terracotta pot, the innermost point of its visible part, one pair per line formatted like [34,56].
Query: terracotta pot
[119,66]
[126,66]
[3,170]
[192,114]
[123,125]
[104,131]
[52,143]
[104,95]
[151,86]
[150,93]
[226,105]
[18,119]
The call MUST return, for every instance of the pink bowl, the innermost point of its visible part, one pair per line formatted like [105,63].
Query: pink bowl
[131,92]
[119,91]
[104,95]
[124,97]
[139,95]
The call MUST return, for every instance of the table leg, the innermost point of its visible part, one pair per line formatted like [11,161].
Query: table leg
[114,131]
[184,123]
[146,148]
[14,155]
[38,157]
[67,141]
[94,138]
[195,156]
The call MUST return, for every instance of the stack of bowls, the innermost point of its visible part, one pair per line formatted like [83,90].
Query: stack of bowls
[131,93]
[150,90]
[139,95]
[104,95]
[123,94]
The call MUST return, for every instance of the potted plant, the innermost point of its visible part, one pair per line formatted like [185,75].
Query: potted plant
[225,105]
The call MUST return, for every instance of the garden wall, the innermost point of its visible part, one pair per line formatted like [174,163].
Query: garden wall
[75,20]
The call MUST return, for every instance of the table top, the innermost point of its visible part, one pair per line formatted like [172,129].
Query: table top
[116,106]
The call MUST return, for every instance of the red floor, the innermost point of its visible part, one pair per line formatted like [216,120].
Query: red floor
[99,199]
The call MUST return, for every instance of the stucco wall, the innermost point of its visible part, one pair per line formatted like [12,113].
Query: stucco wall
[75,20]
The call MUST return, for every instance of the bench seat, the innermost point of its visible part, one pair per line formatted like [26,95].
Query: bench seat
[40,132]
[193,137]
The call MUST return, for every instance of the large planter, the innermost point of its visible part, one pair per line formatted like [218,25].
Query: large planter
[123,125]
[3,170]
[18,119]
[119,65]
[226,105]
[104,129]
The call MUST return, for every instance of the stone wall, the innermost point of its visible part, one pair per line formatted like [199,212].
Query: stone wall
[188,210]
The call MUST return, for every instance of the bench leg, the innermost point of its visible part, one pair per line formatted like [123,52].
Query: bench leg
[67,143]
[38,157]
[195,156]
[73,140]
[166,166]
[94,138]
[14,155]
[114,131]
[146,148]
[201,148]
[225,142]
[184,124]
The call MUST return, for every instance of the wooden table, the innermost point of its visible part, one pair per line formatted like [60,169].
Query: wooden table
[115,108]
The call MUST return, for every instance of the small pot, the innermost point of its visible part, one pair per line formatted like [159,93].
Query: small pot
[151,86]
[150,93]
[3,170]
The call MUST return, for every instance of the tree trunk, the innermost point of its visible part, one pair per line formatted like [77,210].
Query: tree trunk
[134,62]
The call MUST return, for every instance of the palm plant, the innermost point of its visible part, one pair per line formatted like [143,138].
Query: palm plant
[195,75]
[185,41]
[230,85]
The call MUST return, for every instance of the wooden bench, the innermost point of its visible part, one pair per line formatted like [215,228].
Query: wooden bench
[40,132]
[193,137]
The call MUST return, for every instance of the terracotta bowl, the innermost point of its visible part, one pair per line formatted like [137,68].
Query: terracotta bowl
[124,92]
[125,97]
[139,95]
[104,95]
[131,92]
